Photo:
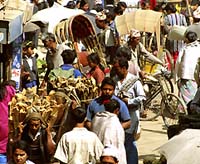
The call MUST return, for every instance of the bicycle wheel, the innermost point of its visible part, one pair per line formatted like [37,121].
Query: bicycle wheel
[151,106]
[171,107]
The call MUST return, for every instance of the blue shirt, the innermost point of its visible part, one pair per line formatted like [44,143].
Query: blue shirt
[95,107]
[66,67]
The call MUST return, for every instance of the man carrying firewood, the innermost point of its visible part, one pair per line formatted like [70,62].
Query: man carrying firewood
[36,133]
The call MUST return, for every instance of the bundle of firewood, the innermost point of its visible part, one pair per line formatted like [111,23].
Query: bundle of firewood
[80,89]
[52,107]
[27,101]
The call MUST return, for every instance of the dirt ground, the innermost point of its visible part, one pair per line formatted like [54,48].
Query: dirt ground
[153,135]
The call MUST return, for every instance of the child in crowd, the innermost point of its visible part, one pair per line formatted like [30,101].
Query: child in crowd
[30,71]
[95,71]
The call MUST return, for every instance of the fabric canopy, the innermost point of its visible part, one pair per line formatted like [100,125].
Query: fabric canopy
[142,20]
[53,15]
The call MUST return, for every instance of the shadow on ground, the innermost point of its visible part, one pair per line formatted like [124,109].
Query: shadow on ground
[148,155]
[154,131]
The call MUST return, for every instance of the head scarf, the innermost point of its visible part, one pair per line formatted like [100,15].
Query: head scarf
[35,115]
[83,2]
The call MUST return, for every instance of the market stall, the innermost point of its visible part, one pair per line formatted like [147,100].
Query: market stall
[13,14]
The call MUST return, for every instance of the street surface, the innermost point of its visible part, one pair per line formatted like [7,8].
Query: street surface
[153,135]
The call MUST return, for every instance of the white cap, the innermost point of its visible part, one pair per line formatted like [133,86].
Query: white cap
[134,33]
[112,151]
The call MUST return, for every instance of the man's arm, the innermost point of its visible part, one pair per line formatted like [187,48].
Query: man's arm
[124,115]
[50,66]
[88,123]
[50,143]
[149,55]
[126,124]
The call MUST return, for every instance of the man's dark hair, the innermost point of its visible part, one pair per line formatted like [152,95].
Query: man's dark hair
[191,36]
[110,14]
[109,2]
[109,81]
[68,56]
[48,36]
[122,61]
[83,2]
[122,4]
[50,2]
[123,51]
[79,114]
[22,145]
[170,7]
[118,10]
[112,105]
[195,2]
[98,7]
[94,57]
[157,7]
[70,5]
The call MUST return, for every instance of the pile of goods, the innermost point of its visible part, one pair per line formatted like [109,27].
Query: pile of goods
[27,101]
[80,89]
[53,106]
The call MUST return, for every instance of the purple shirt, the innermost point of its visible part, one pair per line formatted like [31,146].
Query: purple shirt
[10,92]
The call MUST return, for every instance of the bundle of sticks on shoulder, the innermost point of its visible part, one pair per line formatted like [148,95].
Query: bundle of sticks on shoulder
[53,106]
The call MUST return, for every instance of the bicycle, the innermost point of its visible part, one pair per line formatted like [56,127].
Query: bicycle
[161,101]
[163,54]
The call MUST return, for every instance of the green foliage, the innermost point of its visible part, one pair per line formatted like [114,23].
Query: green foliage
[55,73]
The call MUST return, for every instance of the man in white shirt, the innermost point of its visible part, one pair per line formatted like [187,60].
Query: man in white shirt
[130,90]
[79,145]
[108,128]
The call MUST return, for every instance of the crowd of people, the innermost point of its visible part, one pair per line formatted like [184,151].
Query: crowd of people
[107,129]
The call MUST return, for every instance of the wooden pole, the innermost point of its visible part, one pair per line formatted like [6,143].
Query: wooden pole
[189,12]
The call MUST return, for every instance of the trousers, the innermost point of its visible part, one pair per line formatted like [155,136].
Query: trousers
[131,149]
[3,159]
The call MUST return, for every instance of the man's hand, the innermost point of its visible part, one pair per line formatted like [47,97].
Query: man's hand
[43,84]
[20,128]
[125,100]
[142,74]
[48,129]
